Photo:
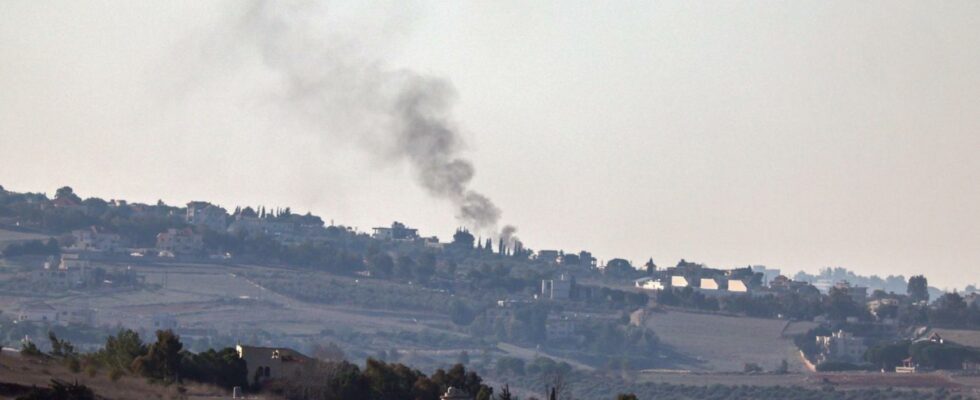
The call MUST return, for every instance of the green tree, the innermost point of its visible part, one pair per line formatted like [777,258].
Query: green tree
[162,360]
[60,347]
[381,265]
[120,350]
[28,348]
[66,192]
[918,288]
[222,368]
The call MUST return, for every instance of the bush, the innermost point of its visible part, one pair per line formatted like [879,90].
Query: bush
[752,368]
[73,365]
[115,374]
[837,366]
[30,349]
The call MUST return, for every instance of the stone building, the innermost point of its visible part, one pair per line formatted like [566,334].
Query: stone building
[267,363]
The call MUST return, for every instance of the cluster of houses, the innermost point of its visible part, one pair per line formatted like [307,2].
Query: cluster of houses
[283,226]
[402,233]
[44,313]
[714,282]
[840,346]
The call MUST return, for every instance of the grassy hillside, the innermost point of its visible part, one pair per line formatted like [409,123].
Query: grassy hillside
[18,373]
[7,237]
[723,343]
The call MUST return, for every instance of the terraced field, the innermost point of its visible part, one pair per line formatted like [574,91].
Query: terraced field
[723,343]
[7,237]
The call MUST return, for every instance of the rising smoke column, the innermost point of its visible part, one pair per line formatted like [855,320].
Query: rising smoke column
[399,114]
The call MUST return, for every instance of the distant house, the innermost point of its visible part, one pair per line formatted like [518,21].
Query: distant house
[397,231]
[908,367]
[737,286]
[649,283]
[505,310]
[768,274]
[163,322]
[72,270]
[455,394]
[678,281]
[83,316]
[858,293]
[37,312]
[840,346]
[180,241]
[95,239]
[204,214]
[585,258]
[557,289]
[710,284]
[71,261]
[548,256]
[65,202]
[875,305]
[268,363]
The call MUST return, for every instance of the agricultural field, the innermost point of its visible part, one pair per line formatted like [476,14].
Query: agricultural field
[722,343]
[8,236]
[965,337]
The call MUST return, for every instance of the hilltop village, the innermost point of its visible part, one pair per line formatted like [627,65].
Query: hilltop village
[269,280]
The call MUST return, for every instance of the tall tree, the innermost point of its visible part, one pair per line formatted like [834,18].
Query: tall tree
[66,192]
[918,289]
[505,394]
[162,361]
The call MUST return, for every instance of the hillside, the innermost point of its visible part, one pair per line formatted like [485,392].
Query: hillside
[722,343]
[18,373]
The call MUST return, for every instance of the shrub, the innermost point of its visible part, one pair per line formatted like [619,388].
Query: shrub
[73,365]
[115,374]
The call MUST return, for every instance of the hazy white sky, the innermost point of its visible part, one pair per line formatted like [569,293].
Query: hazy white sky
[798,135]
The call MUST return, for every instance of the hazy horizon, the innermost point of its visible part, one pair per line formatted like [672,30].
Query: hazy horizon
[797,136]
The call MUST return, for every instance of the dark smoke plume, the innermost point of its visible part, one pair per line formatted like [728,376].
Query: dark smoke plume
[397,114]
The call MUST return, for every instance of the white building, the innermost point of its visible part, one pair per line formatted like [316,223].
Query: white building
[649,283]
[841,346]
[268,363]
[557,289]
[180,241]
[95,239]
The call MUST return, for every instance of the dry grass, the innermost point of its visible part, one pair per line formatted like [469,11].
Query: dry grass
[961,336]
[723,343]
[7,237]
[29,371]
[874,379]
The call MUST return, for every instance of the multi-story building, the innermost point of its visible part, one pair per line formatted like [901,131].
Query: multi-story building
[840,346]
[179,242]
[268,363]
[557,289]
[204,214]
[397,231]
[95,239]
